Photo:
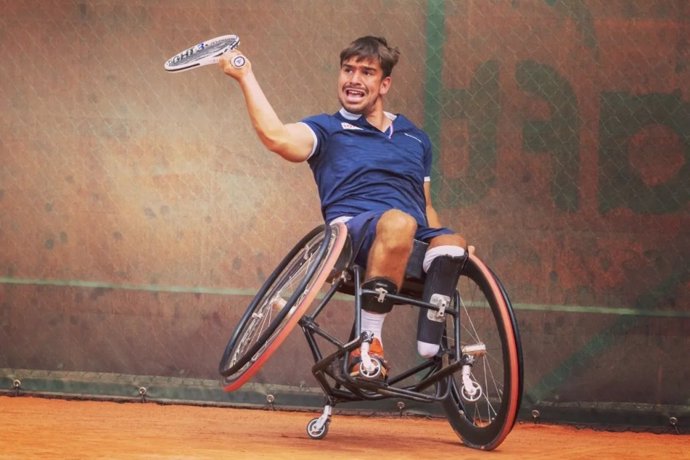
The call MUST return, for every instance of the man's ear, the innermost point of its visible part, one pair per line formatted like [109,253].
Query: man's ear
[385,85]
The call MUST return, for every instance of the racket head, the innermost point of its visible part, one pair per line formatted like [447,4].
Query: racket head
[204,53]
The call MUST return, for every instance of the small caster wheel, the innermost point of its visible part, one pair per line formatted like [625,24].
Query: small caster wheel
[315,431]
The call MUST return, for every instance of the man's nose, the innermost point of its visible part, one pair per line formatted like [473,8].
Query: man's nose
[356,77]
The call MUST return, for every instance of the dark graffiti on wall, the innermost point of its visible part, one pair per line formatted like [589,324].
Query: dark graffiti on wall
[624,117]
[624,121]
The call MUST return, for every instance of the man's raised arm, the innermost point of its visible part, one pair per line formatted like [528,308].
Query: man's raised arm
[292,141]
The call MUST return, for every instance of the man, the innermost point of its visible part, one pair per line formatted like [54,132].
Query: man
[372,169]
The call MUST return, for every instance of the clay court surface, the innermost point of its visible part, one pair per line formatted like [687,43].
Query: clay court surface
[55,428]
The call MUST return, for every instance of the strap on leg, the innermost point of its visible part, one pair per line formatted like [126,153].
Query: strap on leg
[379,302]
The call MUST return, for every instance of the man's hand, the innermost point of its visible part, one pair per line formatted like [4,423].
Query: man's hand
[235,64]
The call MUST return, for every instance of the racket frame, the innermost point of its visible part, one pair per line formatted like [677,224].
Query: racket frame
[202,54]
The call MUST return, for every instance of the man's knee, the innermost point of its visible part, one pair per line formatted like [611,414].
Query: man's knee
[397,220]
[450,244]
[450,239]
[396,228]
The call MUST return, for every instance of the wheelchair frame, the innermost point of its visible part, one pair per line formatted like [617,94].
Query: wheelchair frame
[448,378]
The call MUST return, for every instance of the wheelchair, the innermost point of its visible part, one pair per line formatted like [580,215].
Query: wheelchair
[477,376]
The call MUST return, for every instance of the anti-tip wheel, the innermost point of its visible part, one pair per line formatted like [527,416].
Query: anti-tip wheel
[316,432]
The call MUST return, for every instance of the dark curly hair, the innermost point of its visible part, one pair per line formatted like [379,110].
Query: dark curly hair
[372,47]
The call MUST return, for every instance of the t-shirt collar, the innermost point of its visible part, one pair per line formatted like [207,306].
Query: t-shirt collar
[356,116]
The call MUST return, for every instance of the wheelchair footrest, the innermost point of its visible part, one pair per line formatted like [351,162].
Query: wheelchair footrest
[351,388]
[333,375]
[441,374]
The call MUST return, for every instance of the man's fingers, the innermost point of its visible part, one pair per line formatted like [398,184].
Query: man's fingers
[233,62]
[238,60]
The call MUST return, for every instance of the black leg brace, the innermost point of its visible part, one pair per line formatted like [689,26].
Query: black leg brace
[378,303]
[441,282]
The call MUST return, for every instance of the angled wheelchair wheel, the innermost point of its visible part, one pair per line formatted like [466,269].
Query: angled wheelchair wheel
[483,405]
[279,304]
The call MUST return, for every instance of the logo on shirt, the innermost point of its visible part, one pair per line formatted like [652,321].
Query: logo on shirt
[415,138]
[346,125]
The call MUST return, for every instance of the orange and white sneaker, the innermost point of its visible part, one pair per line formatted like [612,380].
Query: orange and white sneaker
[375,367]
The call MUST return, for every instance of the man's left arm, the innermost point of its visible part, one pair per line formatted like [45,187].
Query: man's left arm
[431,214]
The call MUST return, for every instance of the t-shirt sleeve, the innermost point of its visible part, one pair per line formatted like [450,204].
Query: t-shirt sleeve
[318,124]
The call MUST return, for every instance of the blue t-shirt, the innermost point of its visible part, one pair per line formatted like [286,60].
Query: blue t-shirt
[358,168]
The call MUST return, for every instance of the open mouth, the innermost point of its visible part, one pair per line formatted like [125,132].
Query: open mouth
[354,95]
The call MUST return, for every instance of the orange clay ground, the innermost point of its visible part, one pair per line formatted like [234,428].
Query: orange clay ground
[54,428]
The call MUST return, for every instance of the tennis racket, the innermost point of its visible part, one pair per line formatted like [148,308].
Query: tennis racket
[205,53]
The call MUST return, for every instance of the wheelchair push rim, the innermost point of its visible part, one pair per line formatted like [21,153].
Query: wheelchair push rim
[309,263]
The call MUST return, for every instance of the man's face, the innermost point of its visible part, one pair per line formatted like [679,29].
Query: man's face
[361,84]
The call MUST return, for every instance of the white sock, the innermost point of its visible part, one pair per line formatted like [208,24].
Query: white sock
[446,250]
[373,322]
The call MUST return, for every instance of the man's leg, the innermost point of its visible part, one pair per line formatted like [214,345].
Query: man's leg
[442,264]
[386,263]
[451,239]
[392,246]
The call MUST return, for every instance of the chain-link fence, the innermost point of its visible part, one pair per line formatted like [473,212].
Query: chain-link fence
[139,212]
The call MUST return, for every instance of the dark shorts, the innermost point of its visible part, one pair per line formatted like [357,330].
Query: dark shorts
[362,230]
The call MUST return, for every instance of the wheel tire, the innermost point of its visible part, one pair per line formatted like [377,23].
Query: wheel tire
[486,317]
[317,434]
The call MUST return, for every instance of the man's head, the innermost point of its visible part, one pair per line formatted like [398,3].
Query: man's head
[376,48]
[365,69]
